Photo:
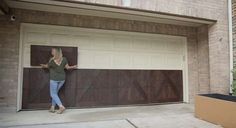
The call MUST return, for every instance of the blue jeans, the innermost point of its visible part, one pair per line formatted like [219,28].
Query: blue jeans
[54,89]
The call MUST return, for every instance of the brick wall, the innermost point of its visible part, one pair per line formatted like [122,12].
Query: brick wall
[234,29]
[203,61]
[8,91]
[218,33]
[197,8]
[206,74]
[9,47]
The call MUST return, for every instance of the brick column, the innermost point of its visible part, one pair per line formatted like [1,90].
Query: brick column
[203,60]
[234,29]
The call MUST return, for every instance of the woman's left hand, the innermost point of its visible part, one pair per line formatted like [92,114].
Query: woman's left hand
[70,67]
[74,66]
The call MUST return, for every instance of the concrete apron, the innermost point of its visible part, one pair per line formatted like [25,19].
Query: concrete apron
[163,116]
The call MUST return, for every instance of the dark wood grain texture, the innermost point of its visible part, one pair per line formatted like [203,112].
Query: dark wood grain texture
[103,87]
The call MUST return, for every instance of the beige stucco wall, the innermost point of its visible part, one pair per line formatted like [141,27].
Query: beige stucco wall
[208,54]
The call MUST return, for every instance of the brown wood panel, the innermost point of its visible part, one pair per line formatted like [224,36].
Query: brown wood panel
[35,88]
[102,87]
[25,95]
[96,87]
[40,54]
[166,86]
[68,91]
[133,86]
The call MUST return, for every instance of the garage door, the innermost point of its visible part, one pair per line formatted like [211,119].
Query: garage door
[115,67]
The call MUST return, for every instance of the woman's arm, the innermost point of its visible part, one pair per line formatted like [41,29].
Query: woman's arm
[44,65]
[67,66]
[47,65]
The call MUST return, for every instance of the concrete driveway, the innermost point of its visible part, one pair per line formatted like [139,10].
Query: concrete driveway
[156,116]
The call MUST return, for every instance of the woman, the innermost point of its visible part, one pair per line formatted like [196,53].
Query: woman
[56,66]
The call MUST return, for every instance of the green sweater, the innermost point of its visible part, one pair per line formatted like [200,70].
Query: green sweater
[57,72]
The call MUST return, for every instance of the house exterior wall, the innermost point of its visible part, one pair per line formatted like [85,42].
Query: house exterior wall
[203,60]
[200,8]
[9,55]
[234,30]
[207,48]
[218,33]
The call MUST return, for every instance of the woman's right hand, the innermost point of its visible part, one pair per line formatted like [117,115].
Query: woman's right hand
[44,65]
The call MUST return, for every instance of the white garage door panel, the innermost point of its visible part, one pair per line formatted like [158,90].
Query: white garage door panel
[37,37]
[102,43]
[60,39]
[139,61]
[85,59]
[141,44]
[102,59]
[122,43]
[100,49]
[121,60]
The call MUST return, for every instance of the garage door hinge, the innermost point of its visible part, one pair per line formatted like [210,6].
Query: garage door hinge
[183,58]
